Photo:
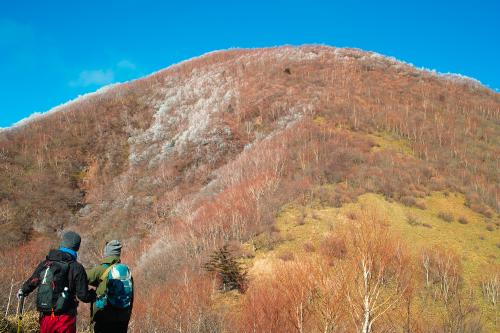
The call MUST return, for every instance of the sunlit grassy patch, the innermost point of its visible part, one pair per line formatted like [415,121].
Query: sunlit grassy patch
[420,228]
[386,141]
[475,245]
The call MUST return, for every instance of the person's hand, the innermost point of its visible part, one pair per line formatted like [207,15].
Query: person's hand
[20,294]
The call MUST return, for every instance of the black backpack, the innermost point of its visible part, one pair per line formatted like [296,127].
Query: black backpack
[53,295]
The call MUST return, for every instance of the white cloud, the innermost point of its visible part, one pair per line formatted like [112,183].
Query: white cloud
[126,64]
[96,77]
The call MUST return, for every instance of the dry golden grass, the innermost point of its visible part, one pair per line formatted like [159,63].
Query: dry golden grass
[476,247]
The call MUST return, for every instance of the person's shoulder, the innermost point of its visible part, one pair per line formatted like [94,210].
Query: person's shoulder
[76,266]
[97,269]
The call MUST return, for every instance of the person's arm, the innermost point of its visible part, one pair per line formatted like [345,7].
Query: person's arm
[81,286]
[94,276]
[33,281]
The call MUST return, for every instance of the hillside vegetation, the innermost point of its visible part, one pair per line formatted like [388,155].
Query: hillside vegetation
[332,174]
[313,232]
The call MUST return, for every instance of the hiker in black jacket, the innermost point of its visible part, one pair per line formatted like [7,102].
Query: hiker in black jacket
[60,280]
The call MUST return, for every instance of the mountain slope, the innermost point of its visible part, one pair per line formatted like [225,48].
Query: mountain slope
[208,151]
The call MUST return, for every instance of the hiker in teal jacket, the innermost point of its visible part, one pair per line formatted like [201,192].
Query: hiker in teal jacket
[108,318]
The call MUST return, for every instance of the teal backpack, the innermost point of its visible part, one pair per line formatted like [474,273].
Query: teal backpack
[119,288]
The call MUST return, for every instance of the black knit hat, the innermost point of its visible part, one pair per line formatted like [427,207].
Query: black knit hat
[71,240]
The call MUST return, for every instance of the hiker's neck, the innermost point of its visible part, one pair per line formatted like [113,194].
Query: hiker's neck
[110,259]
[69,251]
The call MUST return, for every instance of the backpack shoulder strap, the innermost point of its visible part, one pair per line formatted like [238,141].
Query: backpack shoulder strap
[66,267]
[103,276]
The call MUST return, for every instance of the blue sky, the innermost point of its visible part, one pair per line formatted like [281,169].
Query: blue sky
[52,51]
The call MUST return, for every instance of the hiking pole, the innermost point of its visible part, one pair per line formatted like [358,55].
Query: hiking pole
[19,313]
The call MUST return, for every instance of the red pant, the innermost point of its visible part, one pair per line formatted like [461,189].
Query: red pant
[57,324]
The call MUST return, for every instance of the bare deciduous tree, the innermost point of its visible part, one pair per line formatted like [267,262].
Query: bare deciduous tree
[376,266]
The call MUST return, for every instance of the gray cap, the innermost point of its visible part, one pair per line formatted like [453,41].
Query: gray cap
[113,248]
[71,240]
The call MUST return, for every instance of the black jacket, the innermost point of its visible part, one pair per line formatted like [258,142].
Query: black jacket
[78,287]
